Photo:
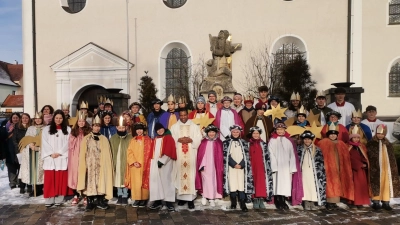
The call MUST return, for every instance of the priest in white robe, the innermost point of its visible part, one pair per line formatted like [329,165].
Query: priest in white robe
[344,108]
[187,138]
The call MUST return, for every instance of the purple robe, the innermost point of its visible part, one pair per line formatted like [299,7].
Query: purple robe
[164,118]
[218,159]
[297,180]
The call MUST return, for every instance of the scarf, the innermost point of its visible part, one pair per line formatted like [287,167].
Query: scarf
[303,124]
[354,143]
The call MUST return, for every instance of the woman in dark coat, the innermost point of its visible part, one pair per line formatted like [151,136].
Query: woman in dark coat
[18,133]
[10,153]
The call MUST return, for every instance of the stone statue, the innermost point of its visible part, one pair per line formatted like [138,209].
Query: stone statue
[219,68]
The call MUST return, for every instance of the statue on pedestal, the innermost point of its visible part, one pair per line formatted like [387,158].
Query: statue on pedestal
[219,68]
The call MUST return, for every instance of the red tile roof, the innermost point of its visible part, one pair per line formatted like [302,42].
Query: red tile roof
[13,101]
[16,72]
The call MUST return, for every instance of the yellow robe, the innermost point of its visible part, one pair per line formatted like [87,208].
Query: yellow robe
[136,153]
[385,180]
[105,179]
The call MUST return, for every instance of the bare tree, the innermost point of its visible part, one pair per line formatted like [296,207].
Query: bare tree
[260,70]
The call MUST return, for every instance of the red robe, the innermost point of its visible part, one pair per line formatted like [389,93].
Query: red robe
[258,168]
[358,156]
[337,185]
[343,133]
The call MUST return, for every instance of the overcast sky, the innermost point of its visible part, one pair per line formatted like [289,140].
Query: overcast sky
[10,31]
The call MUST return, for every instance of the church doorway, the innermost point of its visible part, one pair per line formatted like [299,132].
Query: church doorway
[88,93]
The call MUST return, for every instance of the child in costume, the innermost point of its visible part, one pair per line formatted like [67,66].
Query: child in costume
[312,172]
[360,166]
[137,175]
[119,145]
[285,167]
[237,168]
[210,168]
[261,168]
[384,175]
[339,176]
[95,178]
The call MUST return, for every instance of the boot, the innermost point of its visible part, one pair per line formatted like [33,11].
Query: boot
[386,206]
[90,203]
[376,206]
[29,189]
[191,204]
[306,205]
[256,203]
[233,200]
[22,188]
[277,202]
[243,205]
[284,205]
[312,206]
[142,203]
[261,201]
[101,203]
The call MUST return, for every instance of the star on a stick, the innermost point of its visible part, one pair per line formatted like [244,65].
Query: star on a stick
[316,130]
[276,112]
[313,118]
[72,121]
[203,120]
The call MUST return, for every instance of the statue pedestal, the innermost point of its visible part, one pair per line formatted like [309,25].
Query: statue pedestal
[222,85]
[353,94]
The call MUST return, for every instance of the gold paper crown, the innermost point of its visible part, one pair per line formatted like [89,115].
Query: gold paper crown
[108,101]
[82,115]
[182,100]
[171,98]
[357,113]
[84,105]
[380,129]
[320,93]
[332,126]
[355,130]
[38,115]
[248,97]
[295,96]
[64,106]
[97,120]
[101,99]
[301,110]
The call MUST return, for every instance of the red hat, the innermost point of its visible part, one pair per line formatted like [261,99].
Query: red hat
[260,106]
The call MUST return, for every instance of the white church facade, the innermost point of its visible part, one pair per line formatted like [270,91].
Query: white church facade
[81,44]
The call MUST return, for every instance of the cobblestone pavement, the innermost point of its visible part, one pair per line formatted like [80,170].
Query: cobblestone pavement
[39,214]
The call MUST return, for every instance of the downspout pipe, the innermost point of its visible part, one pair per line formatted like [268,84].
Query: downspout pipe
[35,93]
[349,33]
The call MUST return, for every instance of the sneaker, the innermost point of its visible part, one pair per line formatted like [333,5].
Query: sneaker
[135,204]
[181,202]
[191,204]
[155,205]
[119,201]
[170,206]
[204,201]
[85,201]
[142,203]
[75,200]
[212,203]
[386,206]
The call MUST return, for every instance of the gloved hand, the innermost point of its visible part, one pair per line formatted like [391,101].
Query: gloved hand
[160,164]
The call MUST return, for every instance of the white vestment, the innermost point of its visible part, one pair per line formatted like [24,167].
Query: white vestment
[263,134]
[346,111]
[227,120]
[308,176]
[213,108]
[236,176]
[161,187]
[185,166]
[55,143]
[283,165]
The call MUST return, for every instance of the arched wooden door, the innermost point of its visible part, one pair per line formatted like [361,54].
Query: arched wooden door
[90,95]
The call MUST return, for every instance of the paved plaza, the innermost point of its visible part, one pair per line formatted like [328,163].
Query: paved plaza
[39,214]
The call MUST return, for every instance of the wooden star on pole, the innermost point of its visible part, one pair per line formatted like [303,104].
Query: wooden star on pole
[203,120]
[276,112]
[37,141]
[297,130]
[313,118]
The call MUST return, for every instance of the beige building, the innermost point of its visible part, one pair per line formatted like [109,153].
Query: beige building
[81,45]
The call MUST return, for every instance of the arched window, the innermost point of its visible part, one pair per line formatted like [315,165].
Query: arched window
[73,6]
[176,73]
[286,53]
[394,12]
[174,3]
[394,80]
